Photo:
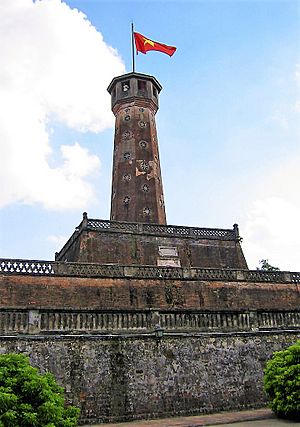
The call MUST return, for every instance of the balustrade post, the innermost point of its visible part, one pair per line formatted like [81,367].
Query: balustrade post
[155,319]
[84,223]
[236,231]
[34,322]
[186,273]
[287,277]
[240,275]
[130,271]
[59,268]
[253,320]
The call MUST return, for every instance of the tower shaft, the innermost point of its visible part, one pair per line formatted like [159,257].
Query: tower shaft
[137,191]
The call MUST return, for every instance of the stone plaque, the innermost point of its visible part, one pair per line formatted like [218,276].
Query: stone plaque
[168,251]
[168,262]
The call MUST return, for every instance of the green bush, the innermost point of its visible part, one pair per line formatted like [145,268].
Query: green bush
[28,398]
[282,382]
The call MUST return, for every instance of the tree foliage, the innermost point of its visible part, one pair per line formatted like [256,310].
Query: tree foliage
[28,398]
[264,265]
[282,382]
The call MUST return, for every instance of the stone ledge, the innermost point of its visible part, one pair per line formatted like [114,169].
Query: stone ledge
[75,269]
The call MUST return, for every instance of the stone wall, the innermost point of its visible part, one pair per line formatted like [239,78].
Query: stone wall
[127,377]
[132,342]
[130,249]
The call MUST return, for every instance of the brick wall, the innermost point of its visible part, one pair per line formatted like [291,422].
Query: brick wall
[128,293]
[142,249]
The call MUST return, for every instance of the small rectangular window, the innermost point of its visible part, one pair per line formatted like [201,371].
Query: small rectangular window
[154,91]
[141,85]
[126,86]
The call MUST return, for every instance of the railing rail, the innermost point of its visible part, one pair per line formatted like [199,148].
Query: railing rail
[71,269]
[165,230]
[15,321]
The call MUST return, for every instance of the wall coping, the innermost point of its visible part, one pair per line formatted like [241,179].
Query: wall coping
[9,266]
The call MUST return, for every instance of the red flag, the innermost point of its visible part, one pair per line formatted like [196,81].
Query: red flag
[143,45]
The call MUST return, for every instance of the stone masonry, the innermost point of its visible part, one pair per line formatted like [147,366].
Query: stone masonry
[137,318]
[115,378]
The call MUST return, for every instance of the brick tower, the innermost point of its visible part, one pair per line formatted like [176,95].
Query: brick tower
[137,191]
[137,233]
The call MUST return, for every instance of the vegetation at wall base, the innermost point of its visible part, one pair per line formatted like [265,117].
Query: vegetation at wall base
[28,398]
[282,382]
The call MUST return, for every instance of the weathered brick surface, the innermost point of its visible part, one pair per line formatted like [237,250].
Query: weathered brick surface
[142,249]
[105,293]
[118,378]
[137,193]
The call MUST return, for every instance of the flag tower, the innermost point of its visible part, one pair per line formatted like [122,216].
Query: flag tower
[137,233]
[137,190]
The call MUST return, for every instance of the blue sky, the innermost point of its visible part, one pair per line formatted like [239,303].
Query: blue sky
[228,122]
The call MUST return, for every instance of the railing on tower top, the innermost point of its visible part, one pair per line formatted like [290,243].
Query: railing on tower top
[102,225]
[163,230]
[75,269]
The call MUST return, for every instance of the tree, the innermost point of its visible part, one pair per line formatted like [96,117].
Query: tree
[282,382]
[264,265]
[28,398]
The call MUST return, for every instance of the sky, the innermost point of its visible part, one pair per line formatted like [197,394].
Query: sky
[228,123]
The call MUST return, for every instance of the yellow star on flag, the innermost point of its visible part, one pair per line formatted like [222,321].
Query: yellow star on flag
[148,41]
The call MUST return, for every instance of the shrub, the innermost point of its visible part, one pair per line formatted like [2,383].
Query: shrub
[282,382]
[28,398]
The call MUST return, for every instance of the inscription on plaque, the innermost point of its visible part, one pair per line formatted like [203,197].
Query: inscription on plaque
[168,251]
[171,262]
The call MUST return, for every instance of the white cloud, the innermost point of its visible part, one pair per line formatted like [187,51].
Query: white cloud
[272,233]
[271,229]
[67,186]
[77,161]
[54,65]
[57,239]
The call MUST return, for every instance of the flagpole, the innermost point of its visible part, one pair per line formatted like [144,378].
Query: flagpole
[132,48]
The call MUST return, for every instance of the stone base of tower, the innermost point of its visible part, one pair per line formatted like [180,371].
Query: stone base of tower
[117,378]
[130,342]
[123,243]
